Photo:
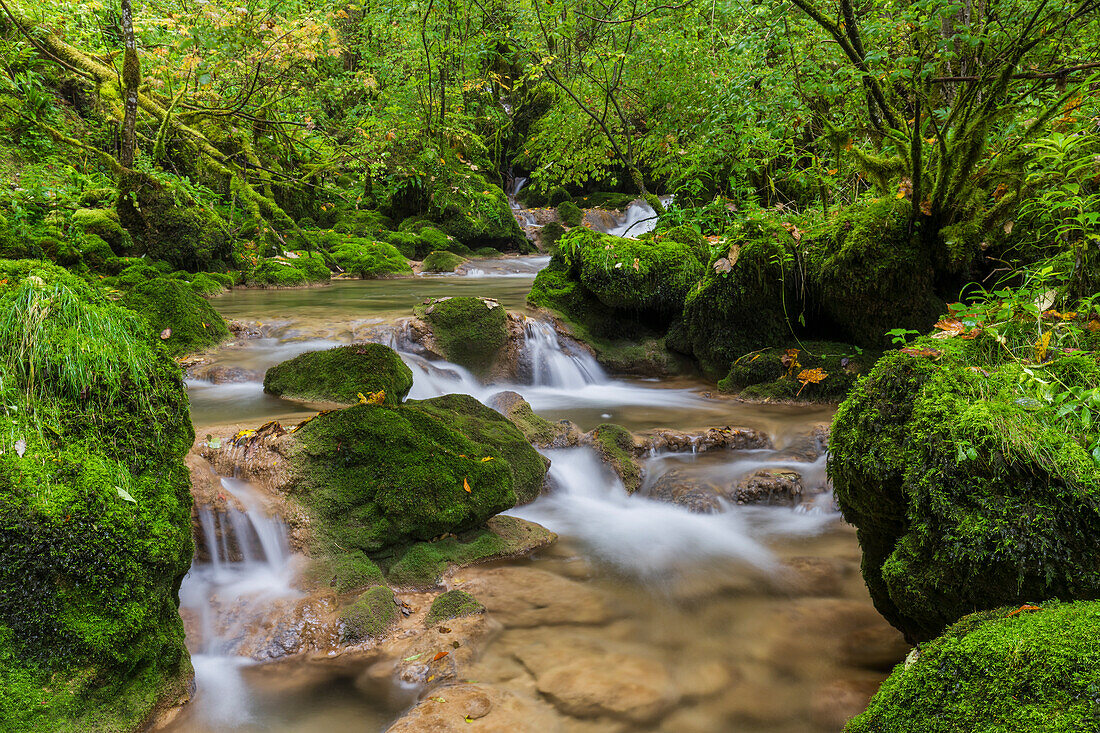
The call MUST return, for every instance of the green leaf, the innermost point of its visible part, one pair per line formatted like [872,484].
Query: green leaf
[125,495]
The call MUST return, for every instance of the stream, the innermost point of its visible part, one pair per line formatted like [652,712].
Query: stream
[752,618]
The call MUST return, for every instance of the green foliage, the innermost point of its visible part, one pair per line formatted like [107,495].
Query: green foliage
[570,214]
[452,604]
[184,320]
[1000,671]
[368,259]
[341,374]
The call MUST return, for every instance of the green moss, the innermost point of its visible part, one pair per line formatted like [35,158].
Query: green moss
[104,224]
[872,275]
[375,476]
[354,570]
[486,252]
[469,331]
[407,243]
[90,634]
[95,252]
[370,616]
[550,235]
[558,196]
[606,200]
[501,439]
[615,445]
[341,374]
[570,214]
[967,493]
[535,428]
[285,272]
[206,285]
[172,304]
[452,604]
[729,314]
[368,259]
[437,261]
[763,373]
[485,220]
[137,274]
[362,223]
[998,672]
[191,238]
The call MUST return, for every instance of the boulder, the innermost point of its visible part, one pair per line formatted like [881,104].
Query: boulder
[341,374]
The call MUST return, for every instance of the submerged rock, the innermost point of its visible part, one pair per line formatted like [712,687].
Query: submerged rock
[770,486]
[457,708]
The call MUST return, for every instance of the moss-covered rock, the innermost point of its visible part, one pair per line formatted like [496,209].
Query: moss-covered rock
[485,221]
[184,319]
[373,476]
[438,261]
[615,445]
[788,372]
[341,374]
[94,513]
[468,331]
[205,285]
[871,275]
[733,311]
[1000,671]
[499,435]
[570,214]
[557,196]
[966,491]
[452,604]
[550,235]
[371,615]
[104,224]
[289,272]
[367,259]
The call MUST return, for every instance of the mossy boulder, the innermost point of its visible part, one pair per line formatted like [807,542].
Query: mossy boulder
[615,445]
[206,286]
[341,374]
[374,476]
[486,220]
[468,331]
[558,196]
[95,528]
[370,616]
[366,259]
[452,604]
[966,491]
[362,223]
[350,571]
[289,272]
[633,275]
[184,319]
[438,261]
[570,214]
[104,224]
[788,372]
[738,306]
[550,235]
[1000,671]
[498,434]
[94,252]
[871,275]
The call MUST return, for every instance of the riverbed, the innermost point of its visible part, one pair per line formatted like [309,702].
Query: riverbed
[750,618]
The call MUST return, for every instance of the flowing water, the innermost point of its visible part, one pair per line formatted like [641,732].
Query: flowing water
[755,612]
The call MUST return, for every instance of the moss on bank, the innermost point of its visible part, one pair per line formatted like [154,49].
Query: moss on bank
[787,372]
[184,320]
[95,512]
[967,492]
[1001,671]
[438,261]
[341,374]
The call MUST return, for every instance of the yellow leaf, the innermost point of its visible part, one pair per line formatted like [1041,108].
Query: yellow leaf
[465,484]
[375,398]
[1041,347]
[486,458]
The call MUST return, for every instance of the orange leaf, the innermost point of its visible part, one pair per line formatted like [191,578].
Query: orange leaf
[1024,608]
[439,656]
[466,484]
[923,351]
[486,459]
[951,326]
[1041,347]
[812,376]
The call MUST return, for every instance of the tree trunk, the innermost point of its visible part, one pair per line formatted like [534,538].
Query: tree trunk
[131,80]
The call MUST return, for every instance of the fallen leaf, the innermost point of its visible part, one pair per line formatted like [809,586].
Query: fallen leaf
[971,334]
[125,494]
[414,657]
[439,656]
[1021,609]
[20,447]
[790,360]
[1093,325]
[922,351]
[1008,227]
[722,265]
[1042,346]
[811,376]
[486,459]
[950,326]
[465,484]
[166,334]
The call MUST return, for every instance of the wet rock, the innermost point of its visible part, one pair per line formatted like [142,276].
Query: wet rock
[462,639]
[835,703]
[769,486]
[815,576]
[525,597]
[475,707]
[693,492]
[679,441]
[224,374]
[245,329]
[541,432]
[585,677]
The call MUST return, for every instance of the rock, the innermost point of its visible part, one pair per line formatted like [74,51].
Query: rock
[525,597]
[696,493]
[341,375]
[471,332]
[585,677]
[224,374]
[615,445]
[880,648]
[769,486]
[488,709]
[539,431]
[184,319]
[816,576]
[680,441]
[245,329]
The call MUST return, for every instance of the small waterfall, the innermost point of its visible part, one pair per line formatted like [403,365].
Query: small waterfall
[552,365]
[639,218]
[242,560]
[513,191]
